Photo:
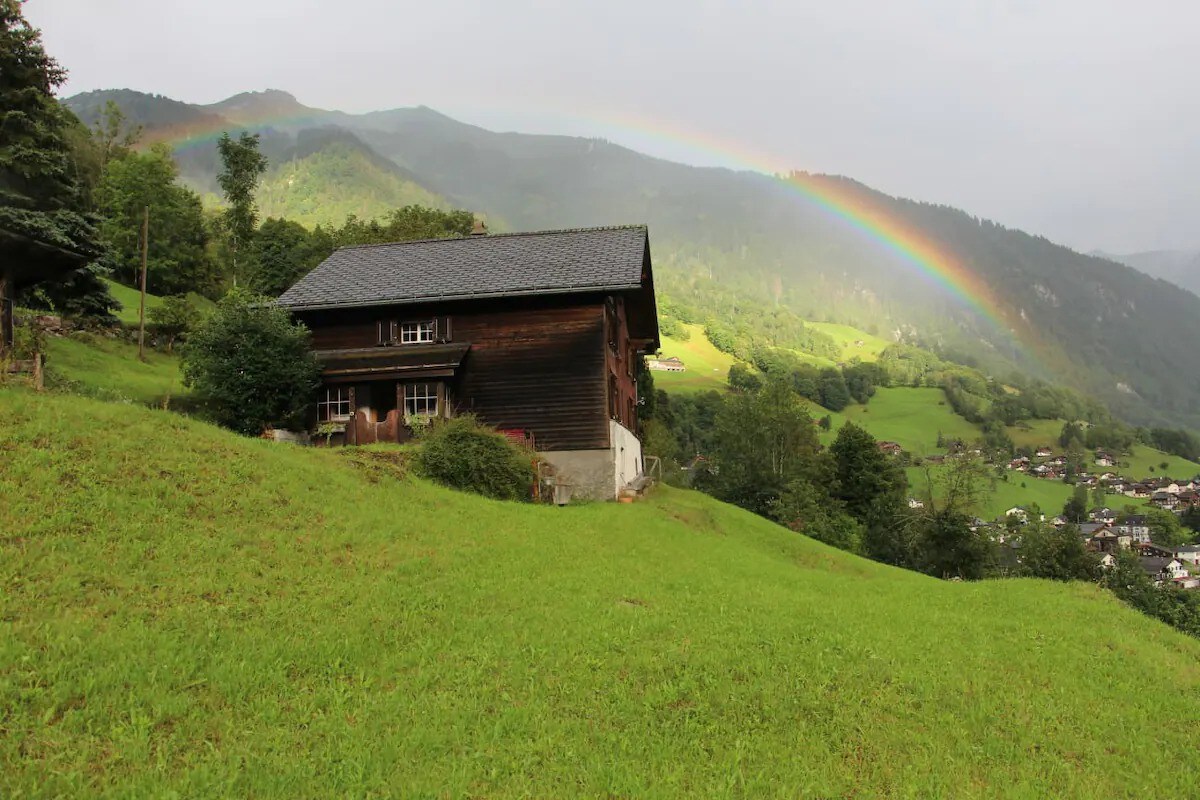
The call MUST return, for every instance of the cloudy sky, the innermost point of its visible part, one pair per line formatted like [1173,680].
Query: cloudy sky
[1076,119]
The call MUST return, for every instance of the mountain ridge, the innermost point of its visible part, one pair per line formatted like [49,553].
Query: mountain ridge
[730,242]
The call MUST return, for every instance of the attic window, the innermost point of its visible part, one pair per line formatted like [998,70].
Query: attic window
[417,332]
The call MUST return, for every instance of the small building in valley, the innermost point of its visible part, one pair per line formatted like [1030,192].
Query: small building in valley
[670,364]
[541,334]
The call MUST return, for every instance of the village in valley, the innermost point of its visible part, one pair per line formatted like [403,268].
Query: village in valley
[1107,531]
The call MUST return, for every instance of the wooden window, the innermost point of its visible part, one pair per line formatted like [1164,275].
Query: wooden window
[421,399]
[387,331]
[418,332]
[334,404]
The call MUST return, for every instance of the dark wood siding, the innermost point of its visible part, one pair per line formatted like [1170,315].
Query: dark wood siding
[620,361]
[537,364]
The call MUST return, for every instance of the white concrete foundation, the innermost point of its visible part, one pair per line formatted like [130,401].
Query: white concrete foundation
[599,474]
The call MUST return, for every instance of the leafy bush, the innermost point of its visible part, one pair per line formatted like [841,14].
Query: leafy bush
[463,454]
[250,364]
[177,315]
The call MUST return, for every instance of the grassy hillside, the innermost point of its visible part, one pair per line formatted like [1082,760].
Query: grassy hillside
[911,417]
[110,369]
[707,367]
[848,339]
[1146,462]
[129,300]
[184,613]
[325,187]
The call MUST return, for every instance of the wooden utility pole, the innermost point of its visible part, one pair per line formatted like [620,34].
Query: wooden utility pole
[142,304]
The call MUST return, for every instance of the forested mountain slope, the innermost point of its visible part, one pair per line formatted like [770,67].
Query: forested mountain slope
[1180,267]
[183,613]
[733,242]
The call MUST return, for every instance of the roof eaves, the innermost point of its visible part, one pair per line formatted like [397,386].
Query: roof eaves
[512,235]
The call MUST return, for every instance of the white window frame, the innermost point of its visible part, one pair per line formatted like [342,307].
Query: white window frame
[335,400]
[422,332]
[423,399]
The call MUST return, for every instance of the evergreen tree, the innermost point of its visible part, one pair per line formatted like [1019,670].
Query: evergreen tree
[41,197]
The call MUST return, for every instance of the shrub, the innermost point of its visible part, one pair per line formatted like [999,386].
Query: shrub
[177,315]
[463,454]
[250,364]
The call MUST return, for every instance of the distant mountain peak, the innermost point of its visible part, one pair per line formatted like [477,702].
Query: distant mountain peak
[249,107]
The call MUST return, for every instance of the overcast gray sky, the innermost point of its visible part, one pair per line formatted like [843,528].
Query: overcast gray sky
[1076,119]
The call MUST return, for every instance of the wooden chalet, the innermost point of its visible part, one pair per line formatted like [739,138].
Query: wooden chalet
[538,334]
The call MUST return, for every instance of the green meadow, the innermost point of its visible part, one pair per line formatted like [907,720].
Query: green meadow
[707,367]
[129,299]
[848,338]
[110,369]
[1014,489]
[189,613]
[911,417]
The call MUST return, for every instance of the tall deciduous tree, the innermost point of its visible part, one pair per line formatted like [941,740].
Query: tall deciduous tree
[113,134]
[242,166]
[177,260]
[763,442]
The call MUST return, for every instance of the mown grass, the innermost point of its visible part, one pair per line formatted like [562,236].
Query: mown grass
[188,613]
[911,417]
[847,337]
[1146,462]
[110,369]
[129,300]
[707,367]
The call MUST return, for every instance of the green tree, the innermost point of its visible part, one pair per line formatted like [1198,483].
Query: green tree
[762,442]
[113,134]
[174,317]
[282,253]
[805,507]
[948,548]
[250,365]
[1099,497]
[404,224]
[832,389]
[41,196]
[965,486]
[241,166]
[1190,518]
[871,487]
[178,260]
[1056,553]
[1165,527]
[743,378]
[1075,510]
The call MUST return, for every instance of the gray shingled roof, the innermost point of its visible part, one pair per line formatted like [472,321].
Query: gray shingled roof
[497,265]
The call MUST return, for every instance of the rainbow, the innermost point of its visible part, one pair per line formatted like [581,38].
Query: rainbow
[836,198]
